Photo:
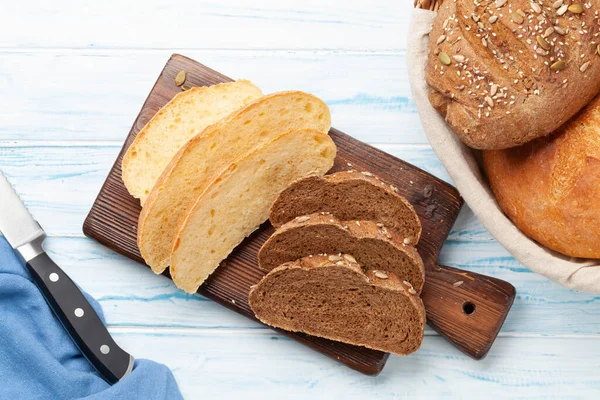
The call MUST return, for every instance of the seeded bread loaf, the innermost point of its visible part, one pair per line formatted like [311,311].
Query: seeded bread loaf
[186,115]
[505,72]
[209,153]
[349,195]
[372,246]
[337,301]
[550,187]
[238,201]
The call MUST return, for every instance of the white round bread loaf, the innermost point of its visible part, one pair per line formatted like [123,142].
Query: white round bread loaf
[550,188]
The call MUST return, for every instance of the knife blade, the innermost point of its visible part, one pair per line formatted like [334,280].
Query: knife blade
[65,299]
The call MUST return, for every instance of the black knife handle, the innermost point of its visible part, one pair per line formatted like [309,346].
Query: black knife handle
[79,319]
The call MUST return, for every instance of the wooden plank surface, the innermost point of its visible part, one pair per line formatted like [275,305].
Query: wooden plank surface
[112,85]
[71,105]
[516,368]
[188,24]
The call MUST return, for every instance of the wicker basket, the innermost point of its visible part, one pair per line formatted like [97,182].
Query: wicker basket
[463,167]
[432,5]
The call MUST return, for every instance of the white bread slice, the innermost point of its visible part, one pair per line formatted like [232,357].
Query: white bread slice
[207,154]
[239,199]
[186,115]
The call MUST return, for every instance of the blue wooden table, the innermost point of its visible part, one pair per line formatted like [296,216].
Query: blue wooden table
[73,76]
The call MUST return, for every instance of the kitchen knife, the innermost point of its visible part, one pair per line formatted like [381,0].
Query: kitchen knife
[67,302]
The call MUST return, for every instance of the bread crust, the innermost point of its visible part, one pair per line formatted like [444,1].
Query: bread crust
[357,234]
[386,285]
[550,187]
[500,89]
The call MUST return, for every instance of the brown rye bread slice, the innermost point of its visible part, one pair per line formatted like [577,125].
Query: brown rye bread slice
[338,301]
[349,195]
[371,244]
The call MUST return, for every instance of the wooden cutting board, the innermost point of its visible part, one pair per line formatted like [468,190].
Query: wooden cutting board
[466,308]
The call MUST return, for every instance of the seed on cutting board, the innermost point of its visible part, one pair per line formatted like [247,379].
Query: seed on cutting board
[444,58]
[576,8]
[180,78]
[558,66]
[185,87]
[543,43]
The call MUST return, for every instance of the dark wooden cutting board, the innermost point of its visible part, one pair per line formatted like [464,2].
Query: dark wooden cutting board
[466,308]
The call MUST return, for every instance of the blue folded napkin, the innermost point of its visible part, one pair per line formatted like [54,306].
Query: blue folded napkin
[38,359]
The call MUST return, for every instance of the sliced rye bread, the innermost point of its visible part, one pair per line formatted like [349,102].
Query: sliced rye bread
[338,301]
[349,195]
[239,199]
[371,244]
[206,155]
[187,114]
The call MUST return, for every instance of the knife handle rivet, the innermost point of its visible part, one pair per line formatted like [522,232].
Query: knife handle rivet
[104,349]
[53,277]
[78,312]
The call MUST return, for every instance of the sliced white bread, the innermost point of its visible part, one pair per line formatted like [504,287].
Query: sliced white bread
[239,199]
[185,116]
[208,153]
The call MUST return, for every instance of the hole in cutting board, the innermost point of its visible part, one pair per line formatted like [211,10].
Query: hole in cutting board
[468,307]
